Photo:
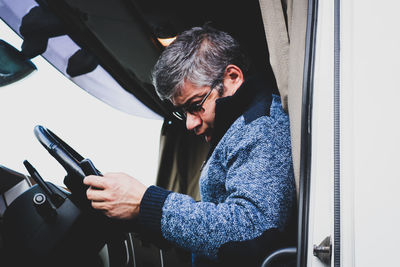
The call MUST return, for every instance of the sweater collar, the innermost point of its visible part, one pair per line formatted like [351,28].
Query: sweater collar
[229,108]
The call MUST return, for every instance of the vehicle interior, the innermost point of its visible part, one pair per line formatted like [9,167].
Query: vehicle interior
[124,38]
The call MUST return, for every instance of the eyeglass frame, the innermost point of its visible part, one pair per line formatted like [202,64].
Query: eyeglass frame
[180,113]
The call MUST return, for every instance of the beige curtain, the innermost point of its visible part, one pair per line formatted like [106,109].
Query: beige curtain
[181,155]
[285,24]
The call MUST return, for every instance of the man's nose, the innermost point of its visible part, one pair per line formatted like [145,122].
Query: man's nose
[192,121]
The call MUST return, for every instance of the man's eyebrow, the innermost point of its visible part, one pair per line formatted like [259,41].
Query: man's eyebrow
[187,103]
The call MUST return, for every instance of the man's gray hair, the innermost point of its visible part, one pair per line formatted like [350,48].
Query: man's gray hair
[199,55]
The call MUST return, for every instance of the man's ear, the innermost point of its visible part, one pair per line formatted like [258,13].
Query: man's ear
[233,79]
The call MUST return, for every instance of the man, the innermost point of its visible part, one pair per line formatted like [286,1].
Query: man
[247,185]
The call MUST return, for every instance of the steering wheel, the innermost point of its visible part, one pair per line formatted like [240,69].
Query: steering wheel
[45,221]
[77,167]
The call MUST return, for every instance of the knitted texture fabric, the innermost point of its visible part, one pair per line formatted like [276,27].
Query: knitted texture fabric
[247,187]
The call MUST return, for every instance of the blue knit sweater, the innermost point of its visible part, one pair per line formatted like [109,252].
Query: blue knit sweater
[247,187]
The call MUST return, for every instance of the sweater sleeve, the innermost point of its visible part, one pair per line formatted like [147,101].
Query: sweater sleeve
[259,194]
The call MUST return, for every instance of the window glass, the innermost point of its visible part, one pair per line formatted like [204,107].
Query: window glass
[115,141]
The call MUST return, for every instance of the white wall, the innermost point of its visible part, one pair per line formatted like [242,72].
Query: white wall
[371,83]
[321,198]
[369,131]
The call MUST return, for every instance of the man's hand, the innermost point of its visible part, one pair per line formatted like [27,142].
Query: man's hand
[117,194]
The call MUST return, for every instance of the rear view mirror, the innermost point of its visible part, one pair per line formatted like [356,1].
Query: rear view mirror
[13,65]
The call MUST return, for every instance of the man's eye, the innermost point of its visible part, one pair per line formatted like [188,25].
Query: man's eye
[194,107]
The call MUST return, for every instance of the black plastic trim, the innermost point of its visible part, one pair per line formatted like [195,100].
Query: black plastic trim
[283,253]
[305,147]
[9,178]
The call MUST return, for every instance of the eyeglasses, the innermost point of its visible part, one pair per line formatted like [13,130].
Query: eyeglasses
[193,108]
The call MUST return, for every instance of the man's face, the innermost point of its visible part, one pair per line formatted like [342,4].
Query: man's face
[202,122]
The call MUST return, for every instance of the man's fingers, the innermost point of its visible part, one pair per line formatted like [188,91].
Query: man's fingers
[99,206]
[96,195]
[95,181]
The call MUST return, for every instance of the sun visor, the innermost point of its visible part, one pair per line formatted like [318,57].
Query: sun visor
[44,34]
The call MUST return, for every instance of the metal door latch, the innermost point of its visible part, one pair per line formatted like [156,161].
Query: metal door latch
[324,250]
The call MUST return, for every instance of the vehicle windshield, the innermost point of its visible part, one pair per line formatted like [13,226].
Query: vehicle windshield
[113,140]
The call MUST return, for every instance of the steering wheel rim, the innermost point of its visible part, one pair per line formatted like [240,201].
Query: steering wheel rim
[61,151]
